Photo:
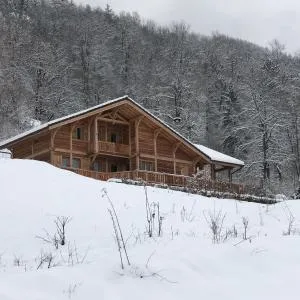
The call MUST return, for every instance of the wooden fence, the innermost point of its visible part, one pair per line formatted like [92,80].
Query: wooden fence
[168,179]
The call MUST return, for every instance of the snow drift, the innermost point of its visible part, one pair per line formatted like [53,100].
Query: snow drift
[182,263]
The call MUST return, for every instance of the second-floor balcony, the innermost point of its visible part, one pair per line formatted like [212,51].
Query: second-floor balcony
[113,148]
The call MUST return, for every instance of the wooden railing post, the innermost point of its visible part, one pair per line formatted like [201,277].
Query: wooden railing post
[137,145]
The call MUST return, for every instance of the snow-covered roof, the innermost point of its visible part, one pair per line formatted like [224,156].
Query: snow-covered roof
[5,153]
[216,156]
[212,155]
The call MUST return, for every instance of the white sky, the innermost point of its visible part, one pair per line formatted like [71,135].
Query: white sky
[258,21]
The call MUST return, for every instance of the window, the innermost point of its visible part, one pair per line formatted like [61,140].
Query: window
[76,163]
[146,165]
[184,171]
[199,168]
[113,138]
[113,168]
[78,133]
[96,166]
[65,162]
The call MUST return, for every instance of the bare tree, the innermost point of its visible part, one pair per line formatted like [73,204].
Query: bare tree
[117,237]
[117,229]
[152,215]
[58,238]
[61,223]
[46,258]
[245,224]
[291,222]
[215,222]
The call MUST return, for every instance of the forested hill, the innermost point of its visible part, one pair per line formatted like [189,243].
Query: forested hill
[228,94]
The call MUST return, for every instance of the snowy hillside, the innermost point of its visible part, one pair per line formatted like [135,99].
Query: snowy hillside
[183,263]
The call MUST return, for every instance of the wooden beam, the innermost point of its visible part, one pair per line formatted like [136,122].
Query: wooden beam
[32,149]
[174,149]
[94,156]
[89,133]
[129,141]
[222,169]
[53,135]
[199,159]
[61,150]
[96,144]
[81,153]
[137,146]
[105,133]
[188,162]
[113,121]
[71,141]
[121,118]
[84,115]
[212,170]
[156,133]
[114,117]
[71,145]
[37,154]
[112,154]
[115,112]
[52,158]
[229,175]
[108,114]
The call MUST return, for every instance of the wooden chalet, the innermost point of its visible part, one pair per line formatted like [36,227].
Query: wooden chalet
[121,139]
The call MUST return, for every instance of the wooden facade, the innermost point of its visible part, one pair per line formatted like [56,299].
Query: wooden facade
[114,138]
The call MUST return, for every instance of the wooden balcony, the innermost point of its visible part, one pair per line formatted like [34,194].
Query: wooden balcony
[167,179]
[113,148]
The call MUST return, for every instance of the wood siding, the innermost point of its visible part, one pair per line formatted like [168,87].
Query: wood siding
[181,154]
[146,139]
[30,148]
[164,147]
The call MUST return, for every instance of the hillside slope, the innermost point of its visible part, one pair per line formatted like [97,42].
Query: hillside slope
[182,263]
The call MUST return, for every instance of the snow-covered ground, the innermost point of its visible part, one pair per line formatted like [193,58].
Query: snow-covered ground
[183,263]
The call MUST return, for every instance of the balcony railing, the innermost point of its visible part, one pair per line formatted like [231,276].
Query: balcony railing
[114,148]
[164,178]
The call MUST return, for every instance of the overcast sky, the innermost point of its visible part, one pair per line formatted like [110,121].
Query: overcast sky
[258,21]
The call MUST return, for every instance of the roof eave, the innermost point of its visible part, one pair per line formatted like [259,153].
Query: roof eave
[227,164]
[32,134]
